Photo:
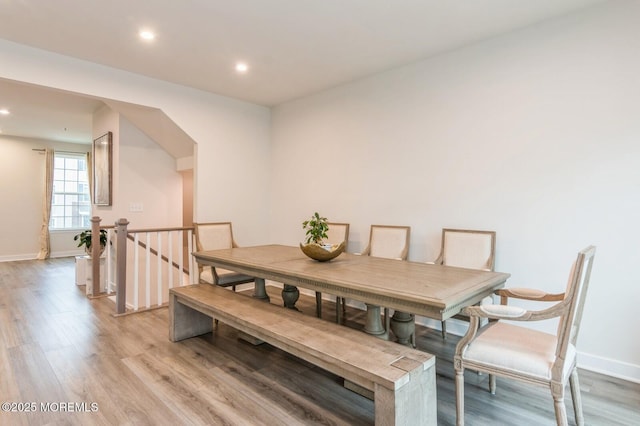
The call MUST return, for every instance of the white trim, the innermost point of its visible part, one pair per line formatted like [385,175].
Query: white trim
[17,257]
[610,367]
[34,256]
[68,253]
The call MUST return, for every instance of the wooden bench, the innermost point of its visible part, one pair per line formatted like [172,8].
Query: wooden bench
[402,379]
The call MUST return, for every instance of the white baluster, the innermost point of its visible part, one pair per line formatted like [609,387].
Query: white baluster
[181,257]
[192,265]
[159,283]
[136,271]
[171,272]
[147,287]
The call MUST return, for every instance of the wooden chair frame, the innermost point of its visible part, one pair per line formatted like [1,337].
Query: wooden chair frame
[231,279]
[441,260]
[341,302]
[569,309]
[345,226]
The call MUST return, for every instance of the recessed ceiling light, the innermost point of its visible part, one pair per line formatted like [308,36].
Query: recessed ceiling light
[241,67]
[147,35]
[4,111]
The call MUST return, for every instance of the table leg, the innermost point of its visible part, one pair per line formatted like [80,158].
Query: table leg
[290,295]
[404,327]
[260,290]
[318,304]
[373,323]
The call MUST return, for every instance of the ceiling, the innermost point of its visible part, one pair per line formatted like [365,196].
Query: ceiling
[293,48]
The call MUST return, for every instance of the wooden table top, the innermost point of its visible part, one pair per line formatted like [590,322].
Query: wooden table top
[434,291]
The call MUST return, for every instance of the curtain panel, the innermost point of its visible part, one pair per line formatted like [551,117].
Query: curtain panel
[45,239]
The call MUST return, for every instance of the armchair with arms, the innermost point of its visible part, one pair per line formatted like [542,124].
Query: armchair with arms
[532,356]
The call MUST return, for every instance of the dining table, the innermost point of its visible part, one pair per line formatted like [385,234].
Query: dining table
[408,287]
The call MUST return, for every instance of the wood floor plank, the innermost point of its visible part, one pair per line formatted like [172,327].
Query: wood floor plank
[56,345]
[36,383]
[79,385]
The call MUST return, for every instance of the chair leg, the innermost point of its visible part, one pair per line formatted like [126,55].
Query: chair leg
[574,384]
[492,383]
[557,391]
[318,304]
[460,397]
[444,329]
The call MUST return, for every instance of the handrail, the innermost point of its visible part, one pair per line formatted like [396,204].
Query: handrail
[184,228]
[154,251]
[165,269]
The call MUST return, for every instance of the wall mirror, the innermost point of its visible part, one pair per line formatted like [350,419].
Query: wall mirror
[102,163]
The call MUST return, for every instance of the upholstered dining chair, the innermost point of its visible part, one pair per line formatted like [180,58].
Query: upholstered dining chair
[532,356]
[214,236]
[390,242]
[337,233]
[466,248]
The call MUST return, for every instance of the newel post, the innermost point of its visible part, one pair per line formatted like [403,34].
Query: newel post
[121,266]
[95,255]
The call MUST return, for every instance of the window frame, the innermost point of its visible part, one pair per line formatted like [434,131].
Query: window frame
[63,176]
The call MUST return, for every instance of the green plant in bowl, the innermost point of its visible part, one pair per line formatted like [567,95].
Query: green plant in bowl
[314,248]
[317,228]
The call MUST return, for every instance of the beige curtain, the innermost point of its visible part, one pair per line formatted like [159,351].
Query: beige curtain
[45,241]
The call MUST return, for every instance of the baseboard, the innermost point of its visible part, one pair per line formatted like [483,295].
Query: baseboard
[68,253]
[18,257]
[34,256]
[609,367]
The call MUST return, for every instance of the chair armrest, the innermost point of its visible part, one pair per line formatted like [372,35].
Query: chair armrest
[528,294]
[495,311]
[514,313]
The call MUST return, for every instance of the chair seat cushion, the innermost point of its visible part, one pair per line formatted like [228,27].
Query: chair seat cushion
[225,277]
[517,350]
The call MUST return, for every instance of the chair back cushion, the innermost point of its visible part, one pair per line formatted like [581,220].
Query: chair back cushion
[213,236]
[391,242]
[337,233]
[468,248]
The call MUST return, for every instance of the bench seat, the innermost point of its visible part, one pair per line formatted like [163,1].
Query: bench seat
[402,379]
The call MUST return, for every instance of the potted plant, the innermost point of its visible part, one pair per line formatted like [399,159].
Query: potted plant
[317,228]
[84,239]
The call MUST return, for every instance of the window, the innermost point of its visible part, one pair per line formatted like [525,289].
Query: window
[70,202]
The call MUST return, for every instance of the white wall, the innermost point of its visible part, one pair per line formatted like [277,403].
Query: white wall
[232,169]
[21,192]
[147,177]
[533,134]
[144,174]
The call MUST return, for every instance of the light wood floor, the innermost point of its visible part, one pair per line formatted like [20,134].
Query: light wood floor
[59,348]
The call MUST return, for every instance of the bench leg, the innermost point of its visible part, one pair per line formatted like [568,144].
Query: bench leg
[185,322]
[415,403]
